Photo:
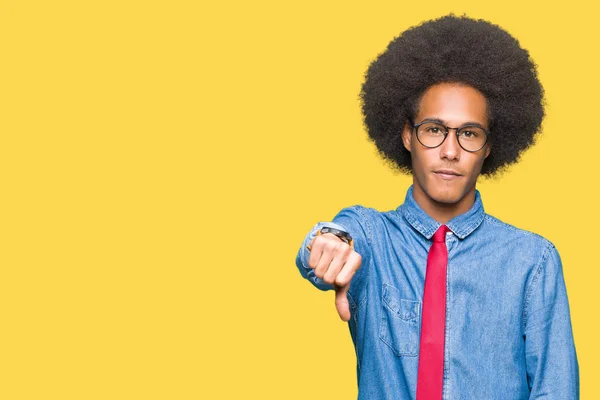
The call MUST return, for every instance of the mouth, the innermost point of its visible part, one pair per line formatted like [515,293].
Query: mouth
[447,174]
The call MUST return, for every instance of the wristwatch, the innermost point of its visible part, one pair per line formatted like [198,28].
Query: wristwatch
[345,236]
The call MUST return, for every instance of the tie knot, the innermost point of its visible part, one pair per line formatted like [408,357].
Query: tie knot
[440,235]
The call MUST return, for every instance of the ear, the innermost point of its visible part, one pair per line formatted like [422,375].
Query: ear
[488,149]
[406,136]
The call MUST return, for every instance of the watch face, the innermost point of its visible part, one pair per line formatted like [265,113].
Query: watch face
[337,232]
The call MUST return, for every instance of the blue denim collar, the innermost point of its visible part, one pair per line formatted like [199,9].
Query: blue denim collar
[461,225]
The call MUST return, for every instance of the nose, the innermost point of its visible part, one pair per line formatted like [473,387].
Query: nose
[450,149]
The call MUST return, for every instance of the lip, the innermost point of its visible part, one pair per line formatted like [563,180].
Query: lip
[447,174]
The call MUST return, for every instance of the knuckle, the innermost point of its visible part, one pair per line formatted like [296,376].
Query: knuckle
[357,259]
[341,249]
[313,262]
[316,242]
[341,280]
[346,279]
[335,242]
[345,248]
[323,242]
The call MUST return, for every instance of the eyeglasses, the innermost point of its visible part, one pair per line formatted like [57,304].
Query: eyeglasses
[471,138]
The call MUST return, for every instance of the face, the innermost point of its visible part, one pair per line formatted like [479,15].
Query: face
[455,105]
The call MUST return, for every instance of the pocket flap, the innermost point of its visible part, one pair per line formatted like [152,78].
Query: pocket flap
[405,309]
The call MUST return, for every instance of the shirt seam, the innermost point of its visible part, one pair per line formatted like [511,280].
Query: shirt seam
[533,282]
[493,220]
[362,211]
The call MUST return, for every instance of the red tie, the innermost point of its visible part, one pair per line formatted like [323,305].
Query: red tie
[431,351]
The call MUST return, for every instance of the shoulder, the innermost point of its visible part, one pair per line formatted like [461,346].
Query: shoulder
[367,220]
[358,211]
[517,236]
[530,250]
[356,219]
[361,214]
[535,253]
[369,217]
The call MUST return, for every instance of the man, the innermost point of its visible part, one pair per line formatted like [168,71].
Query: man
[444,301]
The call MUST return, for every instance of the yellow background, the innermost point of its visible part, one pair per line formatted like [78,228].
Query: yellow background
[161,162]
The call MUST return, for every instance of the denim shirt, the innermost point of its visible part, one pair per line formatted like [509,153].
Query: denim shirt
[508,327]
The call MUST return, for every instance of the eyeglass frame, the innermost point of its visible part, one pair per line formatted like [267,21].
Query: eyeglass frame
[415,127]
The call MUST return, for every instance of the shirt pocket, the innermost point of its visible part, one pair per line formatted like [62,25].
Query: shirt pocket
[400,322]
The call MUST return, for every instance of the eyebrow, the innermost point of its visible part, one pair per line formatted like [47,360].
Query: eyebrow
[439,121]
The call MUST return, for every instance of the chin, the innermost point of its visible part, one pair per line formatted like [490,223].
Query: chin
[450,196]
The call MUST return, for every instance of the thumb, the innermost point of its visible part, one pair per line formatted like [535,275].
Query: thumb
[341,302]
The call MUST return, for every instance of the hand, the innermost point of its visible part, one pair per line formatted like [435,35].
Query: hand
[335,262]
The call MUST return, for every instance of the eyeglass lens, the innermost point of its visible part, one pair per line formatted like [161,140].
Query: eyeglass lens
[432,134]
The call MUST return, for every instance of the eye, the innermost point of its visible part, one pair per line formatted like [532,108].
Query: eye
[433,129]
[470,133]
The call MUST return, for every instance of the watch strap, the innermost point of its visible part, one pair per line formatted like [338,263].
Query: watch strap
[344,236]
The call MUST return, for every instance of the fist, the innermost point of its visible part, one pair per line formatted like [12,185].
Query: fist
[335,262]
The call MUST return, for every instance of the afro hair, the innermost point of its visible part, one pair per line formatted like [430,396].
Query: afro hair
[454,50]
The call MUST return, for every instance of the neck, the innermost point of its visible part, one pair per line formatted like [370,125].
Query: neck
[440,211]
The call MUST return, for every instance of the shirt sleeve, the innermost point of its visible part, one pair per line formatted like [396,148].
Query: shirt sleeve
[551,359]
[349,219]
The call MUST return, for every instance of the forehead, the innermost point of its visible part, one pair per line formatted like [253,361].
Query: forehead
[455,104]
